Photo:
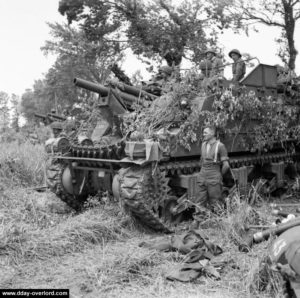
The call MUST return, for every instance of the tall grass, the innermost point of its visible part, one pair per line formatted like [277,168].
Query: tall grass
[101,247]
[21,164]
[95,226]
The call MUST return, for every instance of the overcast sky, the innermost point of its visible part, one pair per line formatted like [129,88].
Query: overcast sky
[23,30]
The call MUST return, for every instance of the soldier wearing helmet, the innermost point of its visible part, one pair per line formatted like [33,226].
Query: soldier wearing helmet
[165,71]
[56,128]
[158,82]
[238,66]
[217,68]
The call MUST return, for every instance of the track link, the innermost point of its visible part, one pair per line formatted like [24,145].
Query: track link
[142,194]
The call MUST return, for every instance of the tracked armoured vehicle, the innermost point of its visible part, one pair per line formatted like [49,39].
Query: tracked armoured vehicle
[151,166]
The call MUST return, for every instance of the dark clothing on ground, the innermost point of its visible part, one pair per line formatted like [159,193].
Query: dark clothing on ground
[202,256]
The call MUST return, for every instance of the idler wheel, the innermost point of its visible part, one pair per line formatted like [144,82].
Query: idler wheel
[58,180]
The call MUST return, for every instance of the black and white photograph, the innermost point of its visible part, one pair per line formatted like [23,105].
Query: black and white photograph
[150,148]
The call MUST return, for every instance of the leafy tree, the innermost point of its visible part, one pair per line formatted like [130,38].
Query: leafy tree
[280,13]
[38,100]
[155,29]
[76,57]
[28,104]
[44,100]
[4,111]
[79,54]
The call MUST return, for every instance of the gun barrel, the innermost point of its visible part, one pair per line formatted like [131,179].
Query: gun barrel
[134,90]
[280,213]
[98,88]
[249,227]
[40,116]
[260,236]
[103,91]
[58,117]
[272,205]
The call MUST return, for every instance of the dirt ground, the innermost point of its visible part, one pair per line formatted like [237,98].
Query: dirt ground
[96,253]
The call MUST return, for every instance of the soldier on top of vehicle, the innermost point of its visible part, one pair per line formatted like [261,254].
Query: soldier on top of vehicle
[217,68]
[212,69]
[164,74]
[53,111]
[57,129]
[284,74]
[158,81]
[212,65]
[238,67]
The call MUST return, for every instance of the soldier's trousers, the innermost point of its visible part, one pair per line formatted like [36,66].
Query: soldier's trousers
[209,182]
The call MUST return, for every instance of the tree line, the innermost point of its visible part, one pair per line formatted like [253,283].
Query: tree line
[9,112]
[97,33]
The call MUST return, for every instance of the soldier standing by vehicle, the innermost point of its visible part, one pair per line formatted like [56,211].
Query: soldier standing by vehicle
[238,67]
[214,164]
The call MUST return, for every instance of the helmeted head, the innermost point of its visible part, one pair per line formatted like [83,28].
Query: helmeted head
[166,70]
[210,53]
[56,128]
[209,133]
[234,54]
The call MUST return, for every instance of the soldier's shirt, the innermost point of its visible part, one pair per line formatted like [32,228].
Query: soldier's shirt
[238,70]
[217,67]
[213,153]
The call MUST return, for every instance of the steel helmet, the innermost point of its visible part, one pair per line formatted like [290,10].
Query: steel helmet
[166,69]
[211,51]
[234,51]
[56,125]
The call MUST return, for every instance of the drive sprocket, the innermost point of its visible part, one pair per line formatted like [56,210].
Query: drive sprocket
[144,192]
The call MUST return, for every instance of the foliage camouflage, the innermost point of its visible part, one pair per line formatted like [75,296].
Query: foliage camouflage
[154,31]
[231,114]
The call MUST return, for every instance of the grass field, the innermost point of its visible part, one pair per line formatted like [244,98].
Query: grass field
[44,244]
